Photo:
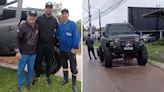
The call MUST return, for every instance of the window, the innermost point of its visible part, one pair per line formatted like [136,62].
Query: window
[8,11]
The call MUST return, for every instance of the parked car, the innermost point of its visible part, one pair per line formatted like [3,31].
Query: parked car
[149,37]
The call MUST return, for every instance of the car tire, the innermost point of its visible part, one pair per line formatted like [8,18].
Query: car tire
[100,53]
[101,57]
[55,63]
[108,58]
[142,56]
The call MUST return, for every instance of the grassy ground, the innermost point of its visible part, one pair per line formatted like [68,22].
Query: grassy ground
[8,83]
[156,52]
[97,43]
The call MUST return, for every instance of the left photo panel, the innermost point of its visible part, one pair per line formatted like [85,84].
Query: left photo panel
[40,46]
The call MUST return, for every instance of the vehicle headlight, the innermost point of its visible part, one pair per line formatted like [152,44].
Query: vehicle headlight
[111,43]
[110,39]
[116,40]
[137,39]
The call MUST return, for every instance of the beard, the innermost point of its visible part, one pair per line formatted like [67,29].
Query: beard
[48,13]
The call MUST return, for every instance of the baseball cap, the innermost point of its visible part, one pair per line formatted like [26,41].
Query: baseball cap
[49,5]
[32,12]
[64,10]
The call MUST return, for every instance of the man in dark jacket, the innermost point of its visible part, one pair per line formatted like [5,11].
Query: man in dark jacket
[25,46]
[47,25]
[89,43]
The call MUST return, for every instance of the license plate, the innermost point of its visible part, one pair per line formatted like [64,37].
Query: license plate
[128,48]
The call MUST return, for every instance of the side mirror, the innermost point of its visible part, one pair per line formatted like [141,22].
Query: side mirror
[3,2]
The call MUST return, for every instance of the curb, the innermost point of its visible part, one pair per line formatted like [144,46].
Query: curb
[155,63]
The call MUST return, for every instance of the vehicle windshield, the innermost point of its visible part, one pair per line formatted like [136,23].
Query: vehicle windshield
[120,29]
[118,33]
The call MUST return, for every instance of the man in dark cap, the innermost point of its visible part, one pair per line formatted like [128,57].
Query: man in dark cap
[68,35]
[47,25]
[25,46]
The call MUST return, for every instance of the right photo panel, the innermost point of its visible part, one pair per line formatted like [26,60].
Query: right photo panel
[123,45]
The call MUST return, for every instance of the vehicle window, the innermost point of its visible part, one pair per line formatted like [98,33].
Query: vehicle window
[120,29]
[2,2]
[8,11]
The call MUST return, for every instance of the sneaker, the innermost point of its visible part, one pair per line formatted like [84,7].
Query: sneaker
[35,80]
[64,82]
[49,81]
[28,86]
[19,89]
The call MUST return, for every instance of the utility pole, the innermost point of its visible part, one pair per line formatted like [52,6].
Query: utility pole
[89,8]
[99,20]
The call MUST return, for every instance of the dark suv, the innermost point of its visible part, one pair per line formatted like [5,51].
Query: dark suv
[121,41]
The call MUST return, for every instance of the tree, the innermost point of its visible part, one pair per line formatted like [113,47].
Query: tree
[57,10]
[78,23]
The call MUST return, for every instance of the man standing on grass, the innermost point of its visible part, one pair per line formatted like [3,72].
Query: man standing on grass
[25,46]
[47,24]
[68,35]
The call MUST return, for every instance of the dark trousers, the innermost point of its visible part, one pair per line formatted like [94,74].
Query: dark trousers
[91,49]
[72,58]
[45,51]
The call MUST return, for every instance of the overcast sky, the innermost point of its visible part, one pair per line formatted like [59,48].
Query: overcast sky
[74,6]
[119,14]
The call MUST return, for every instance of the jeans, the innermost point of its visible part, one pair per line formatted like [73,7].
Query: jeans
[30,61]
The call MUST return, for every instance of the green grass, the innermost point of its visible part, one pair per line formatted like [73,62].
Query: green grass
[155,48]
[8,83]
[155,51]
[97,43]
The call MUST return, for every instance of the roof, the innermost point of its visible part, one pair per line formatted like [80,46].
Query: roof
[156,13]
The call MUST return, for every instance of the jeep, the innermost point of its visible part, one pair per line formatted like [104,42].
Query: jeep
[121,41]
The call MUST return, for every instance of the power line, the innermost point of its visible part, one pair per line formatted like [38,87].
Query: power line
[115,4]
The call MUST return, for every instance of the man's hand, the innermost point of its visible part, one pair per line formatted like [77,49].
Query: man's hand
[23,21]
[73,51]
[18,55]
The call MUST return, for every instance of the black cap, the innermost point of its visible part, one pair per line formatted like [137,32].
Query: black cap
[64,10]
[49,5]
[32,12]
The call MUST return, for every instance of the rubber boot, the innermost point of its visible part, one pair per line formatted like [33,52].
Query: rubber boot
[74,87]
[65,81]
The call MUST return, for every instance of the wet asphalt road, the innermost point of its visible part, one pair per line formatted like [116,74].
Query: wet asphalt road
[123,77]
